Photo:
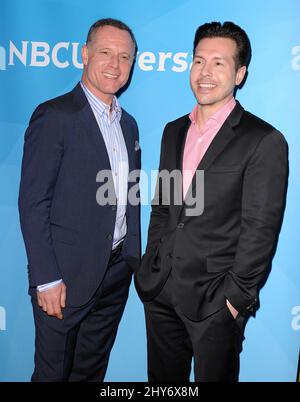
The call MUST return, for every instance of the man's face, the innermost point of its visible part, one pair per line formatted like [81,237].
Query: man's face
[107,60]
[213,74]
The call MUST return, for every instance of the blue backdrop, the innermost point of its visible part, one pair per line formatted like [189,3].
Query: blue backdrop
[40,43]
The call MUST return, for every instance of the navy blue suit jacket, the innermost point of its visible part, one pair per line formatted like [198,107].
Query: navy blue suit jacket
[67,233]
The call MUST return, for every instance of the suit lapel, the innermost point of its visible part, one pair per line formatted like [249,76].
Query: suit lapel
[222,139]
[218,145]
[87,117]
[129,141]
[182,133]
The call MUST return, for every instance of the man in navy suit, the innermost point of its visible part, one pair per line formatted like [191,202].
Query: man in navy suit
[81,245]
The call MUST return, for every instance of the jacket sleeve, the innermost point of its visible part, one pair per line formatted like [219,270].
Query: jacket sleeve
[263,200]
[43,153]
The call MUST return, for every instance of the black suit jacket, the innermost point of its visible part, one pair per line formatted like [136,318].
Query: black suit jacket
[67,234]
[225,251]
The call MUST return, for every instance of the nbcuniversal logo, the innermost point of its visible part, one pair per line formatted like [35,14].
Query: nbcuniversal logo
[39,54]
[2,58]
[68,54]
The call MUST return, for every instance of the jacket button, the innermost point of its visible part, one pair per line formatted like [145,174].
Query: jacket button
[109,237]
[113,208]
[180,225]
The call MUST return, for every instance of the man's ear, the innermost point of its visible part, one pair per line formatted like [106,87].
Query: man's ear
[85,54]
[240,75]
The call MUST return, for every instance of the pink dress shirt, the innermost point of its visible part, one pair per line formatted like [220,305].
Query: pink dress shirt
[197,141]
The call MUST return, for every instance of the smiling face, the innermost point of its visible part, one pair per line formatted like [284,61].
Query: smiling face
[107,60]
[214,73]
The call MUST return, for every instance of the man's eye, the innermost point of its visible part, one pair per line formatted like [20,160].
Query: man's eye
[125,58]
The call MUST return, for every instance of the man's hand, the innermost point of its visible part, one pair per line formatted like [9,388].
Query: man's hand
[52,300]
[233,311]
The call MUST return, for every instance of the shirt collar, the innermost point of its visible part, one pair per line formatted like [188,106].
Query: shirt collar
[101,108]
[219,116]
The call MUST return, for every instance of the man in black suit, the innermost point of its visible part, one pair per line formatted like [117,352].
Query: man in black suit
[203,267]
[82,244]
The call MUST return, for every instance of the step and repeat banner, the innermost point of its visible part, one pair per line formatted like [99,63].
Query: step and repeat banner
[40,42]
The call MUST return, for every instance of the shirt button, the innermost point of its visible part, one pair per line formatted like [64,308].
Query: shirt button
[199,139]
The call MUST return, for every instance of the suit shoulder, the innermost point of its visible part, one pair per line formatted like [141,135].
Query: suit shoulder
[53,111]
[57,105]
[61,103]
[127,116]
[253,120]
[174,127]
[130,120]
[260,127]
[181,121]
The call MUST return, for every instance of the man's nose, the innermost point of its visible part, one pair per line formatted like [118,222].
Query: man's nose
[114,61]
[206,70]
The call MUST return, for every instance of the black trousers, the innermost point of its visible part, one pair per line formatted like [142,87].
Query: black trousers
[173,340]
[77,348]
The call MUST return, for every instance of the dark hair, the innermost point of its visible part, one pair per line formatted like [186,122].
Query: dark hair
[227,30]
[113,23]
